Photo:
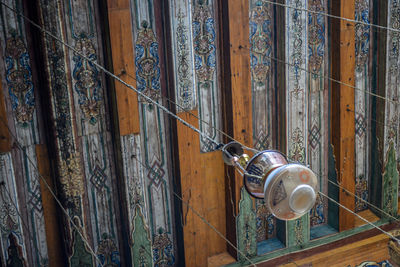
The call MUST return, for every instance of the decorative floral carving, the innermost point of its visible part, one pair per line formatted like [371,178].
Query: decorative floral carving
[87,79]
[162,250]
[71,176]
[297,50]
[147,62]
[317,212]
[316,40]
[108,252]
[394,37]
[264,221]
[297,150]
[298,231]
[19,80]
[183,70]
[260,41]
[361,33]
[8,218]
[361,192]
[204,42]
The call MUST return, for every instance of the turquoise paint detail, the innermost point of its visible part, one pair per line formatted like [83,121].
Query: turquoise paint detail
[298,231]
[390,182]
[311,244]
[141,247]
[246,227]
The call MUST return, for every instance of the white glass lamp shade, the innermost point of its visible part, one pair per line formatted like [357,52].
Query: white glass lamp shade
[289,190]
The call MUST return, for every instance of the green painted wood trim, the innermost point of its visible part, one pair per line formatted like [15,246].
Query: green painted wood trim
[246,227]
[390,182]
[333,191]
[311,244]
[142,252]
[298,231]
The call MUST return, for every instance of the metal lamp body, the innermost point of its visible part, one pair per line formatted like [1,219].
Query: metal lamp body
[288,189]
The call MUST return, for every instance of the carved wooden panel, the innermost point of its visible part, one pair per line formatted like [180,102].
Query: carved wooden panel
[23,236]
[154,153]
[392,111]
[362,110]
[262,48]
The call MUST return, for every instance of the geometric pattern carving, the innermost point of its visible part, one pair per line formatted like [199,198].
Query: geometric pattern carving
[36,199]
[156,174]
[361,125]
[19,80]
[314,137]
[98,178]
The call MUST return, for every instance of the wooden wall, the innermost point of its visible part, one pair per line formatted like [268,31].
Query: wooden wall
[140,188]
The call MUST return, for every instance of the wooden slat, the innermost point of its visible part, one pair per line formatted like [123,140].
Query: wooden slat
[53,237]
[5,141]
[214,198]
[343,128]
[240,77]
[371,249]
[220,260]
[124,66]
[118,4]
[366,214]
[202,182]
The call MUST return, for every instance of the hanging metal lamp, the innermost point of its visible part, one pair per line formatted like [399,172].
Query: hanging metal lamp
[289,189]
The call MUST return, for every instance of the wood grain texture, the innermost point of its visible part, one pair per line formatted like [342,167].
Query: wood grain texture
[202,181]
[220,259]
[124,66]
[5,141]
[370,249]
[53,238]
[240,78]
[366,214]
[343,127]
[118,4]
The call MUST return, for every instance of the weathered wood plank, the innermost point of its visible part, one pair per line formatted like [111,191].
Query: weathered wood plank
[203,187]
[124,67]
[5,141]
[240,77]
[192,186]
[53,238]
[118,4]
[246,227]
[214,197]
[371,249]
[343,127]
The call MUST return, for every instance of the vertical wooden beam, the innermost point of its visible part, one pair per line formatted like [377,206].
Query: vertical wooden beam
[343,128]
[122,49]
[240,77]
[5,141]
[53,238]
[238,104]
[203,187]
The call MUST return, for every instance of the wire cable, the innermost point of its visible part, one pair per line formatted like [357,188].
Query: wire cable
[362,218]
[198,214]
[333,16]
[3,185]
[363,200]
[186,123]
[149,99]
[20,147]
